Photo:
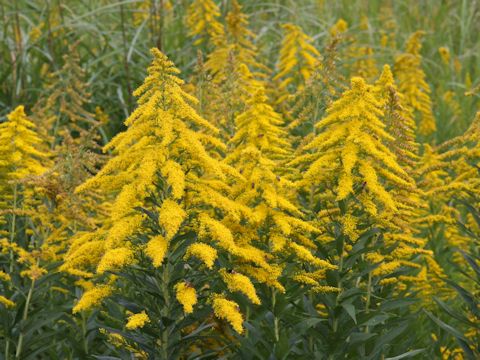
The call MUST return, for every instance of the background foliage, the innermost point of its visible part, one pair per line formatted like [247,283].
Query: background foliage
[74,66]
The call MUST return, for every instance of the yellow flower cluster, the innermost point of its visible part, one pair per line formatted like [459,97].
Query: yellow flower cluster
[171,218]
[92,298]
[186,295]
[137,321]
[228,310]
[115,259]
[241,283]
[156,249]
[204,252]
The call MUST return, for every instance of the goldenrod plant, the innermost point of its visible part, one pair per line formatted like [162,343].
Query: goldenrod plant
[202,20]
[412,84]
[298,58]
[173,206]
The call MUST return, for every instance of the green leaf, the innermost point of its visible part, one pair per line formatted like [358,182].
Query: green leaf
[358,338]
[387,339]
[406,355]
[447,327]
[375,320]
[350,309]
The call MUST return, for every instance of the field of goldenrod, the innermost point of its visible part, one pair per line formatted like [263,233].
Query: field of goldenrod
[239,179]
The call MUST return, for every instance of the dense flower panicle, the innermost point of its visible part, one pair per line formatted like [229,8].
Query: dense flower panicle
[235,53]
[364,64]
[399,121]
[135,168]
[297,56]
[166,181]
[231,72]
[23,156]
[137,321]
[351,144]
[228,310]
[64,107]
[311,101]
[412,83]
[447,171]
[259,147]
[19,147]
[353,152]
[202,20]
[186,295]
[260,126]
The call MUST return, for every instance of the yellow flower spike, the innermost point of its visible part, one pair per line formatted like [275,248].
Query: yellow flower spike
[228,310]
[444,54]
[186,295]
[338,28]
[353,130]
[399,121]
[175,176]
[305,255]
[202,20]
[204,252]
[412,83]
[156,249]
[237,282]
[115,259]
[20,147]
[171,217]
[233,59]
[6,302]
[297,56]
[92,298]
[4,276]
[137,321]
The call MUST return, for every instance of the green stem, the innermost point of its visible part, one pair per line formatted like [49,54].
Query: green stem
[340,269]
[24,317]
[275,319]
[166,311]
[84,332]
[125,58]
[13,225]
[369,295]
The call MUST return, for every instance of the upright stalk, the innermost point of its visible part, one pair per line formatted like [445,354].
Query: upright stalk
[275,318]
[84,333]
[125,57]
[340,269]
[24,318]
[166,310]
[13,224]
